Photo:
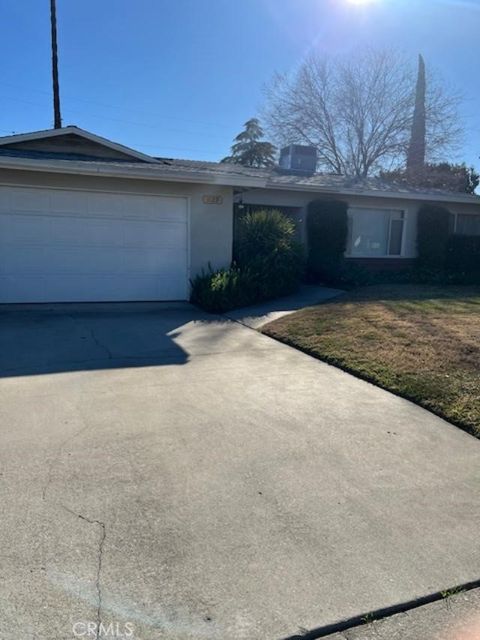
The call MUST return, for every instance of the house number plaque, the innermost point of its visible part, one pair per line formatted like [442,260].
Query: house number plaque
[211,199]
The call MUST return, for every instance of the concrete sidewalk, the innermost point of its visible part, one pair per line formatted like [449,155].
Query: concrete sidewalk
[258,315]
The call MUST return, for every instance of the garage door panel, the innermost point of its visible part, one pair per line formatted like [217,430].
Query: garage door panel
[22,230]
[6,196]
[107,289]
[26,288]
[87,260]
[114,205]
[71,232]
[83,260]
[21,260]
[71,260]
[148,234]
[25,200]
[148,261]
[164,209]
[67,202]
[79,246]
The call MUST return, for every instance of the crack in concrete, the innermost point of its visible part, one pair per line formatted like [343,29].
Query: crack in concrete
[94,338]
[98,587]
[100,344]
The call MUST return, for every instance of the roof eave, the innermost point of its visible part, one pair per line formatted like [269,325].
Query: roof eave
[80,168]
[342,191]
[198,177]
[82,133]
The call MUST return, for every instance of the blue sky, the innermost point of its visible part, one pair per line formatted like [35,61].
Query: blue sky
[180,77]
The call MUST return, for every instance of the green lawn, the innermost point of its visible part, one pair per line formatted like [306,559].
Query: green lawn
[420,342]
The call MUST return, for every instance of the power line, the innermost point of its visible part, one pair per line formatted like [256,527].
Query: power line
[119,120]
[202,123]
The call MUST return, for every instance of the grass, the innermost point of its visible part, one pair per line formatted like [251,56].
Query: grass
[420,342]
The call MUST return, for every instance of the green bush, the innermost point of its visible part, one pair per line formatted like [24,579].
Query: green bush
[327,227]
[463,259]
[266,246]
[263,233]
[223,290]
[433,230]
[269,264]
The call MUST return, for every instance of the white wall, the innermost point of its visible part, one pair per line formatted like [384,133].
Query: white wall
[277,197]
[211,225]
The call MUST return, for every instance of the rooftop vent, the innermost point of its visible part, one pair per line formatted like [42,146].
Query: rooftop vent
[300,159]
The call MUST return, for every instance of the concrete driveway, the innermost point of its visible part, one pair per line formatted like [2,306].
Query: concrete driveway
[184,477]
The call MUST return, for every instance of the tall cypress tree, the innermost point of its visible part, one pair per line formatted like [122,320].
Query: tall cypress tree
[416,149]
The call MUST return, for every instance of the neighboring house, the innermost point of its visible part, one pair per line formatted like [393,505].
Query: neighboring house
[85,219]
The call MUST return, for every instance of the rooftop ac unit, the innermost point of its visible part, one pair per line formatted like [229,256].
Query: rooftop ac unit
[300,159]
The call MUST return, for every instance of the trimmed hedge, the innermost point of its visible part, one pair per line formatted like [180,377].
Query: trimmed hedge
[463,258]
[433,232]
[327,228]
[269,264]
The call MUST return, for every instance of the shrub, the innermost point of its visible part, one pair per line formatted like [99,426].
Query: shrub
[269,264]
[223,290]
[263,233]
[266,246]
[433,230]
[463,259]
[327,228]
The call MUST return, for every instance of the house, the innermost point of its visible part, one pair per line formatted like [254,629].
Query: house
[83,218]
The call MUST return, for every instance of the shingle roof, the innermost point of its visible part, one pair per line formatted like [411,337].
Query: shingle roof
[228,168]
[282,178]
[234,175]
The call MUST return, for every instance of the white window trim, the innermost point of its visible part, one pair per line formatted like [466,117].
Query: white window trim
[404,234]
[455,222]
[455,219]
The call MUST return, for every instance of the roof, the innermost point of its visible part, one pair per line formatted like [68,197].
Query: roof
[200,172]
[80,133]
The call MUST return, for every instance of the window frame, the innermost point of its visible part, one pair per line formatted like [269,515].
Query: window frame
[390,210]
[455,215]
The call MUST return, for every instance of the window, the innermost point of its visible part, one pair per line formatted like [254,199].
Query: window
[375,232]
[467,225]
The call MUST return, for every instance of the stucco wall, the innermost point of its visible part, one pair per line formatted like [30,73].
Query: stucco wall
[211,225]
[301,200]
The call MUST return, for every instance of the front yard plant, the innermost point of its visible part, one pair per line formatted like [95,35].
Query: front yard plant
[421,342]
[269,263]
[327,227]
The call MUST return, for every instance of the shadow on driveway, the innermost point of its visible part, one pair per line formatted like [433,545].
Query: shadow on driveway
[38,339]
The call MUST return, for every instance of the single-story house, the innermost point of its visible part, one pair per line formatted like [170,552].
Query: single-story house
[83,218]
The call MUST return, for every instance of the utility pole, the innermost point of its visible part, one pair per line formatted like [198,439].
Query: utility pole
[57,118]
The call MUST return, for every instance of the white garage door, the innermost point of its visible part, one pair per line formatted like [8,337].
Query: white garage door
[81,246]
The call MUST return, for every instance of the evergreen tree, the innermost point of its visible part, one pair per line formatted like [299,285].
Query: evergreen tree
[249,149]
[416,149]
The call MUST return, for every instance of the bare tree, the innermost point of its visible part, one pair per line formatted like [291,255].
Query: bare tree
[358,111]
